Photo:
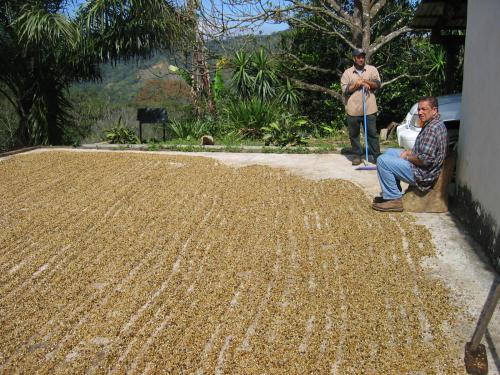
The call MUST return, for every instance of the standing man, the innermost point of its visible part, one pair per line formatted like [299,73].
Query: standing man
[355,79]
[420,166]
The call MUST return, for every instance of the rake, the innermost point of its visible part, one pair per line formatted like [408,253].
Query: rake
[367,165]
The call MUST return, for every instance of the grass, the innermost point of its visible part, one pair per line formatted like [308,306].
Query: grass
[232,142]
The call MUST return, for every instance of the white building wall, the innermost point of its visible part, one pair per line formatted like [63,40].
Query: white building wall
[478,168]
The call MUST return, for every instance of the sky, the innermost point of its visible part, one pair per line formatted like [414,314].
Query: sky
[269,28]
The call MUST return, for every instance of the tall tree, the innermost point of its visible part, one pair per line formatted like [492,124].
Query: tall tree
[367,24]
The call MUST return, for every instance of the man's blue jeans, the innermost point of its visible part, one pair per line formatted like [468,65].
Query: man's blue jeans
[391,169]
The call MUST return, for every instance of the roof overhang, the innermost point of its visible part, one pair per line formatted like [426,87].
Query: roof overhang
[440,15]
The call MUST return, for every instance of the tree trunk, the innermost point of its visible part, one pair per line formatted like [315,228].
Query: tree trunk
[201,94]
[22,135]
[54,131]
[357,34]
[200,89]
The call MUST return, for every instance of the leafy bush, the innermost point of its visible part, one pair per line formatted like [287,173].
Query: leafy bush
[120,134]
[192,129]
[289,130]
[254,75]
[230,138]
[248,117]
[288,95]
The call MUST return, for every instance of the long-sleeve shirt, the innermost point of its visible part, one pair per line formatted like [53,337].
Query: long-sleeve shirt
[430,147]
[354,103]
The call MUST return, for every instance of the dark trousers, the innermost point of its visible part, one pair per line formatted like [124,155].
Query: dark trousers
[355,123]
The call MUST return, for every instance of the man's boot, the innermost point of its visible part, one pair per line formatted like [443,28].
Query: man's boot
[379,199]
[393,205]
[356,160]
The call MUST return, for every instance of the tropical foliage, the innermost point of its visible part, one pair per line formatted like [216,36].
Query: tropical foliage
[191,129]
[259,96]
[41,55]
[248,116]
[44,52]
[121,135]
[288,130]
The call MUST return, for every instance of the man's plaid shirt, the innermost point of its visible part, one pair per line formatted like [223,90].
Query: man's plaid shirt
[430,147]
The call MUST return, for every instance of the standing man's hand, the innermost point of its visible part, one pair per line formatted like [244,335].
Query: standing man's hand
[366,86]
[356,85]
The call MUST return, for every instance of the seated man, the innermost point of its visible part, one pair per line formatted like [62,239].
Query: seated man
[420,166]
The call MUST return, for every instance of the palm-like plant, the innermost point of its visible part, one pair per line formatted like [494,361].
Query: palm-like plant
[288,95]
[39,65]
[242,80]
[259,96]
[265,79]
[254,75]
[437,61]
[123,29]
[248,116]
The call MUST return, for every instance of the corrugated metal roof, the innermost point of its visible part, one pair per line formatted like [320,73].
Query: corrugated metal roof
[441,15]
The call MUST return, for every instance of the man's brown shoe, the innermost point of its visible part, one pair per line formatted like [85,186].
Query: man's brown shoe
[393,205]
[356,161]
[379,199]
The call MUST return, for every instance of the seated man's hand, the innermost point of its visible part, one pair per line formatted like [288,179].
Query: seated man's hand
[405,154]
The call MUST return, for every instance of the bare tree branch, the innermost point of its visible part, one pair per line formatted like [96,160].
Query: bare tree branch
[386,39]
[315,26]
[310,67]
[336,6]
[376,6]
[343,19]
[365,16]
[287,13]
[403,76]
[317,88]
[383,19]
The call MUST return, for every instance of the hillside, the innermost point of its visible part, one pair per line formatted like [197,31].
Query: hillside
[123,82]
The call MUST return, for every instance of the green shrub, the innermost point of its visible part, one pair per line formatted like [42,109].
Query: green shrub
[323,129]
[120,134]
[192,129]
[288,95]
[289,130]
[248,117]
[230,138]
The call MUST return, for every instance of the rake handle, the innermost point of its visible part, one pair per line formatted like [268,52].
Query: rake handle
[486,314]
[365,125]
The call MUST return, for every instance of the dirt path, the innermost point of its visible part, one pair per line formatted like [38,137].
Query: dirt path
[138,263]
